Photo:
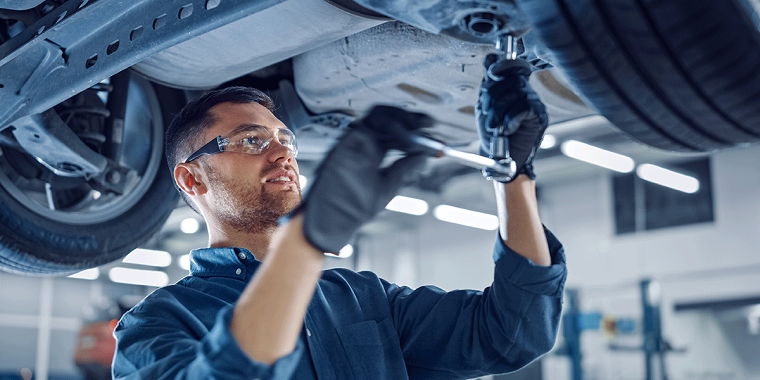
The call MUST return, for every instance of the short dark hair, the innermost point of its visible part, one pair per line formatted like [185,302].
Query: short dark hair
[189,123]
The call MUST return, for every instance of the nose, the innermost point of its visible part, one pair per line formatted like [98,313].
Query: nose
[276,152]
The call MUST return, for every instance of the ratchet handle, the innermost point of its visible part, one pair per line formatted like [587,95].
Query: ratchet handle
[393,134]
[503,168]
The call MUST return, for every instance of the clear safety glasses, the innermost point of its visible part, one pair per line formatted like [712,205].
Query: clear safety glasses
[252,140]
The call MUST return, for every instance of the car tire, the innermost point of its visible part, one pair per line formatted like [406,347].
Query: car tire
[677,75]
[38,241]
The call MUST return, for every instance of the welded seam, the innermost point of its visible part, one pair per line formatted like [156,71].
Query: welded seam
[685,74]
[603,72]
[647,78]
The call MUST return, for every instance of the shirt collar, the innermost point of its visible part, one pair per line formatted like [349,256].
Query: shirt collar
[225,262]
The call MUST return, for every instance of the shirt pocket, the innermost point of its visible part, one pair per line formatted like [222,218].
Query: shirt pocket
[373,350]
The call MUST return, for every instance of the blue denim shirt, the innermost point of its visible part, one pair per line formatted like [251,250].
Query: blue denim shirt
[358,326]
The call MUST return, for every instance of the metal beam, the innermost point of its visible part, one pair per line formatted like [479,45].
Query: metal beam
[82,42]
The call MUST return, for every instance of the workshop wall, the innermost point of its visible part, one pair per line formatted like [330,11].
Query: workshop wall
[711,261]
[700,262]
[40,318]
[428,251]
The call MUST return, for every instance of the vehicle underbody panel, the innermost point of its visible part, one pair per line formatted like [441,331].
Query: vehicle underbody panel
[680,76]
[282,31]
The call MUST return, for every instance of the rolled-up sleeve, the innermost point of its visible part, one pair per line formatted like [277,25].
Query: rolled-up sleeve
[474,333]
[527,301]
[160,339]
[545,280]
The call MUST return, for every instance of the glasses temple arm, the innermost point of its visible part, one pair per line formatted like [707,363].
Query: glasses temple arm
[212,147]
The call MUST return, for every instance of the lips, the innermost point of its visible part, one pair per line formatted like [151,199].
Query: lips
[280,176]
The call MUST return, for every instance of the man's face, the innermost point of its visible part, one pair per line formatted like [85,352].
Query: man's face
[249,192]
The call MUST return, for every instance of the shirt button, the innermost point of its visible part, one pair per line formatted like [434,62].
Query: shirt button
[238,271]
[308,333]
[241,255]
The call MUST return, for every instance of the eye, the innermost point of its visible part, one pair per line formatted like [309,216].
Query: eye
[252,140]
[285,138]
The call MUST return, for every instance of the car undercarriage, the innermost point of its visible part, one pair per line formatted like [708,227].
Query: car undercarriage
[87,86]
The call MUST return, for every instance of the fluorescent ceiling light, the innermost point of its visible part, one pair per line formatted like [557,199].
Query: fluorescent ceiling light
[189,225]
[597,156]
[466,217]
[184,262]
[668,178]
[344,252]
[753,319]
[87,274]
[148,257]
[138,277]
[548,142]
[407,205]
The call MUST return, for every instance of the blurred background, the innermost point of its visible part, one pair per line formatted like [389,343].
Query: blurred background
[663,283]
[664,278]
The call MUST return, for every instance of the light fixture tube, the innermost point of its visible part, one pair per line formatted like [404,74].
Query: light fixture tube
[548,142]
[87,274]
[138,277]
[668,178]
[465,217]
[407,205]
[184,262]
[597,156]
[189,225]
[149,257]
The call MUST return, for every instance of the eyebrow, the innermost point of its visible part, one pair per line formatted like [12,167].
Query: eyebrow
[251,126]
[246,127]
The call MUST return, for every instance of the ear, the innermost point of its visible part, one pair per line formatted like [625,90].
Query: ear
[186,177]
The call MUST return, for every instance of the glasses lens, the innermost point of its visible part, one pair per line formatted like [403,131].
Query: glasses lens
[288,139]
[256,140]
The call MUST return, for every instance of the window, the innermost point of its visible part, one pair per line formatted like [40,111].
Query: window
[642,206]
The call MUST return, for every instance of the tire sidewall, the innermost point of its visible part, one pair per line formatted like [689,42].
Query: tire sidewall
[33,244]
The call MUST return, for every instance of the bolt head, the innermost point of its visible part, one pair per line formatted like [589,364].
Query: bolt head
[113,177]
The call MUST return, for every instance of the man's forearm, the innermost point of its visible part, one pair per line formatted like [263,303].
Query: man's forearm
[269,314]
[519,224]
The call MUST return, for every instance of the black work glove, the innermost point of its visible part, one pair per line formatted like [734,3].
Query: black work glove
[351,187]
[509,108]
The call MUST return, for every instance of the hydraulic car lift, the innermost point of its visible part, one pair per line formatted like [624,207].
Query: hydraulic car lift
[574,322]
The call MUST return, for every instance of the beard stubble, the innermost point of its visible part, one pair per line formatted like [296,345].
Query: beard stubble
[248,207]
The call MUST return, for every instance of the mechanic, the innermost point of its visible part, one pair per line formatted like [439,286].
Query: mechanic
[257,304]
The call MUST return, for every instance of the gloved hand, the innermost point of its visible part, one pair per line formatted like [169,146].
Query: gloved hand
[351,187]
[509,108]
